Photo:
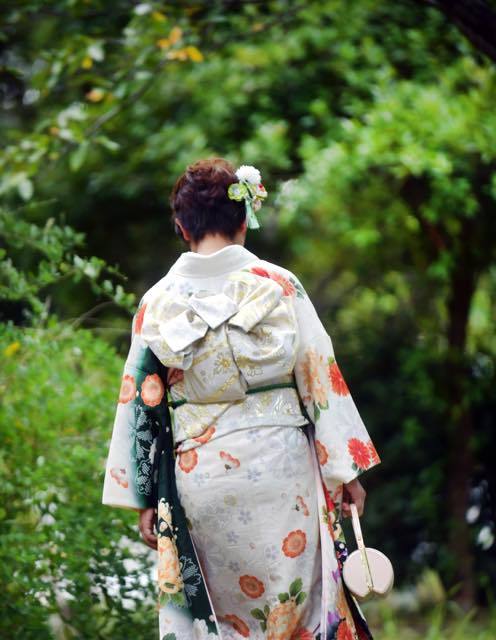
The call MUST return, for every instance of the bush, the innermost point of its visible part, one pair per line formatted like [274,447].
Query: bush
[69,566]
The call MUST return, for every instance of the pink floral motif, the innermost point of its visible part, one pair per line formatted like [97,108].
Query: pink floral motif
[128,389]
[251,586]
[152,390]
[302,505]
[139,319]
[206,435]
[294,543]
[230,461]
[238,625]
[119,475]
[188,460]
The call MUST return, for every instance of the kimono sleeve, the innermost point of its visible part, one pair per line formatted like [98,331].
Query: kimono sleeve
[343,445]
[139,414]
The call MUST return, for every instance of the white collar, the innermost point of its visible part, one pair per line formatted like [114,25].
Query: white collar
[198,265]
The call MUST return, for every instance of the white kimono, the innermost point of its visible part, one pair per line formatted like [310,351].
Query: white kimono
[265,433]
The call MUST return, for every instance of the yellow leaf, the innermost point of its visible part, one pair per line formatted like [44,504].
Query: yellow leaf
[95,95]
[54,131]
[177,54]
[87,62]
[158,16]
[175,35]
[12,348]
[194,54]
[163,43]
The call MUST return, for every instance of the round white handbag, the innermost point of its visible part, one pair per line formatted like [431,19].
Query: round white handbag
[366,572]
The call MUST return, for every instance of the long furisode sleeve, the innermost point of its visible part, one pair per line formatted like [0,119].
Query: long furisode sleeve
[343,445]
[140,413]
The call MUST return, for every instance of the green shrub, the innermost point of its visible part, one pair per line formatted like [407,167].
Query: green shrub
[66,560]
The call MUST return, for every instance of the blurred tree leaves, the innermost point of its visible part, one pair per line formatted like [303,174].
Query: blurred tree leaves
[373,125]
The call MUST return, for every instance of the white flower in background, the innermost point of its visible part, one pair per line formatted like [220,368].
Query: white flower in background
[249,173]
[142,9]
[485,538]
[472,514]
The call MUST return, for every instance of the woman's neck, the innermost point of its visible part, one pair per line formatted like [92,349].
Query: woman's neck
[211,244]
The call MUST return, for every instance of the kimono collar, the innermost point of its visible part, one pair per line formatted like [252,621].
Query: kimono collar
[197,265]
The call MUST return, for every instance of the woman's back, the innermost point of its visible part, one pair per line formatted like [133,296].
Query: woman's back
[231,337]
[248,479]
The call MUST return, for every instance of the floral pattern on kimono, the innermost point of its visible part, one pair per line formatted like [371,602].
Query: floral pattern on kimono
[140,474]
[342,445]
[139,416]
[140,466]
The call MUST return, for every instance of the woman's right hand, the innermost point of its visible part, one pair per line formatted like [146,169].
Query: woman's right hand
[146,520]
[353,492]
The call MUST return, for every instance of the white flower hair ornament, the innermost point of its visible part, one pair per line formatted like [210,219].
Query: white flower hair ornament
[251,190]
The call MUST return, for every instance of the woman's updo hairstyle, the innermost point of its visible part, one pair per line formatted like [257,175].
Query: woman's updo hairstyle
[200,202]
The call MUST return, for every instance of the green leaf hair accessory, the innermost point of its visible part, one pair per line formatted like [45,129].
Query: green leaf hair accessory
[251,190]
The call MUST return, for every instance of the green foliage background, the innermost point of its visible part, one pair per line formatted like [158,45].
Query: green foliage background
[374,127]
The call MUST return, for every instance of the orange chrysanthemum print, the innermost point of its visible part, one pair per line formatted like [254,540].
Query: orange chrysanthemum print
[230,461]
[294,543]
[188,460]
[152,390]
[239,625]
[206,435]
[128,388]
[344,631]
[251,586]
[138,325]
[322,453]
[170,579]
[360,452]
[259,271]
[374,456]
[288,288]
[338,383]
[319,395]
[309,369]
[302,506]
[314,378]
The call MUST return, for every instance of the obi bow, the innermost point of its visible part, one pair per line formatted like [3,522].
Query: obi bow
[223,341]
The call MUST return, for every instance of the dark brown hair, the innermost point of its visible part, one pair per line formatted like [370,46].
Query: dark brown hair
[200,202]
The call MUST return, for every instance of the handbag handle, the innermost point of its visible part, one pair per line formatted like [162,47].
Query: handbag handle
[357,530]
